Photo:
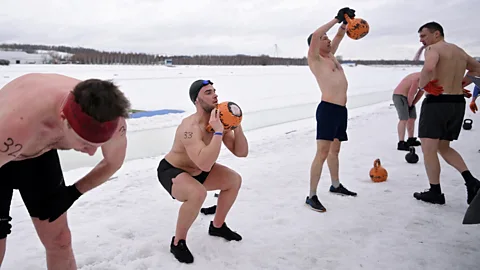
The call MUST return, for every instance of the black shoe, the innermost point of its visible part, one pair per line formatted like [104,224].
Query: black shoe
[403,146]
[315,204]
[209,210]
[413,142]
[472,189]
[430,197]
[342,190]
[181,252]
[224,232]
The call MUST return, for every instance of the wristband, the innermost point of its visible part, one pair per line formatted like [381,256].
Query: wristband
[218,133]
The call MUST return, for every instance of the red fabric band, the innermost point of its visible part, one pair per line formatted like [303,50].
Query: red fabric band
[85,126]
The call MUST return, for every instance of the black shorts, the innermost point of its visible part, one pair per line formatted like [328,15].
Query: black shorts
[35,179]
[331,121]
[166,172]
[441,117]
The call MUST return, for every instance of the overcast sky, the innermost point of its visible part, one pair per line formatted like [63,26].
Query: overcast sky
[188,27]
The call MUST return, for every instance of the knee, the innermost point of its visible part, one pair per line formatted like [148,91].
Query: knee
[198,195]
[333,153]
[236,181]
[443,149]
[322,154]
[60,240]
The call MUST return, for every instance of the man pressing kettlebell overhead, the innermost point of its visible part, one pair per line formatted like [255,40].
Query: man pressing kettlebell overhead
[443,109]
[331,112]
[190,169]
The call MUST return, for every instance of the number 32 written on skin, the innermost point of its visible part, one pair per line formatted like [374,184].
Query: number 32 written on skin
[10,147]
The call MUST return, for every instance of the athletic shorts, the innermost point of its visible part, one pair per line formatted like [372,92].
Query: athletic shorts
[401,104]
[331,121]
[34,178]
[166,172]
[441,117]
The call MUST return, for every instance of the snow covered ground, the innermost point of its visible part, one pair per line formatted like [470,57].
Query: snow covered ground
[128,222]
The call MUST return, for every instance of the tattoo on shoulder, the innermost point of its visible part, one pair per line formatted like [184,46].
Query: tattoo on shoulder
[187,135]
[10,147]
[122,130]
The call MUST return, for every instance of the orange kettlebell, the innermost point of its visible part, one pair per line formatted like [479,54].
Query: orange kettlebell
[378,173]
[357,28]
[230,115]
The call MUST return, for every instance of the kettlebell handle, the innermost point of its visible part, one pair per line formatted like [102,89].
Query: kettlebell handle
[469,121]
[376,163]
[349,20]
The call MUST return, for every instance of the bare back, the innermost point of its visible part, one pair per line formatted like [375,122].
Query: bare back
[178,155]
[451,66]
[406,83]
[330,78]
[34,101]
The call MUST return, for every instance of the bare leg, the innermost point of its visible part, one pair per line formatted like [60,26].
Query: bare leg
[430,157]
[452,157]
[323,148]
[57,240]
[229,183]
[189,191]
[332,160]
[3,245]
[401,129]
[410,127]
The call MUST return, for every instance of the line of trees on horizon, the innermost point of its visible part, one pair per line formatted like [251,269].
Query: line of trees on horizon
[80,55]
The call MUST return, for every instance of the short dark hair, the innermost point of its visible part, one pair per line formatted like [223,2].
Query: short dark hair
[101,100]
[432,26]
[309,39]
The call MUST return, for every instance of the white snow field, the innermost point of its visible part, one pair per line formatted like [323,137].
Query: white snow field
[128,222]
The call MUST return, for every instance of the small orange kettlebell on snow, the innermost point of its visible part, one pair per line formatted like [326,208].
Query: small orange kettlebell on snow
[378,173]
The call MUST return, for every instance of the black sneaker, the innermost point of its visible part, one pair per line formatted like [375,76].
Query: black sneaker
[342,191]
[315,204]
[430,197]
[403,146]
[224,232]
[472,188]
[181,252]
[413,142]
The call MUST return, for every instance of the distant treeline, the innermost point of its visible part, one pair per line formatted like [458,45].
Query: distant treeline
[91,56]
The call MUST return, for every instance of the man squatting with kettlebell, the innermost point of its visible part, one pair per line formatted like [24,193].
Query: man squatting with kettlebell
[443,109]
[190,169]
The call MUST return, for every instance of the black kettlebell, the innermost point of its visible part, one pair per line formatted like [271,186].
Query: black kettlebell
[467,124]
[411,157]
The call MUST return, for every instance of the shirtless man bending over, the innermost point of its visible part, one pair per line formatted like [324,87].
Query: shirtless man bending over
[331,112]
[404,97]
[441,117]
[189,170]
[41,113]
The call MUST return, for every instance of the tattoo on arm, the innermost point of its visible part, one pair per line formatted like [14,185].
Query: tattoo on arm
[10,147]
[187,135]
[122,131]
